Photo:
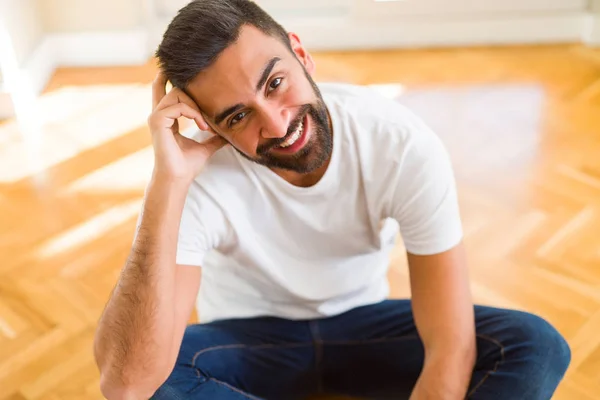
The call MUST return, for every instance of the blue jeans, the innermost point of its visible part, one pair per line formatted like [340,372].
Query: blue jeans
[369,352]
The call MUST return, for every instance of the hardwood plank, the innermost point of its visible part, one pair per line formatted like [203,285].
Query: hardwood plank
[521,125]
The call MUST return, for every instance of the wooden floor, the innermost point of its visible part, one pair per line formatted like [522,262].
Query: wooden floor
[522,126]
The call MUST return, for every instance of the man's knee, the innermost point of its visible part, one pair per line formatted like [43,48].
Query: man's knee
[540,345]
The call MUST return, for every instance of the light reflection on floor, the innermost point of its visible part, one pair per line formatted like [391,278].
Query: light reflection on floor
[71,120]
[487,128]
[89,230]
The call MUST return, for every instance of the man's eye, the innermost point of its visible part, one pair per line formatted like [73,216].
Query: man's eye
[237,118]
[275,84]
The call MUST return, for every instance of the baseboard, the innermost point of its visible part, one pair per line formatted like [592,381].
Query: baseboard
[40,66]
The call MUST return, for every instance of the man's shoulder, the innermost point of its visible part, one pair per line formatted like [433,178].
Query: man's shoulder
[367,103]
[350,95]
[343,90]
[381,130]
[373,114]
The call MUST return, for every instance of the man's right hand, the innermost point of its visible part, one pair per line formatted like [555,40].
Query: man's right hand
[177,158]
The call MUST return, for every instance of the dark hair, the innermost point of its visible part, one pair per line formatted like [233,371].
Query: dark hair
[203,29]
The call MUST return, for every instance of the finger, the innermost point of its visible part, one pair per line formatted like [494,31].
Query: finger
[212,128]
[213,144]
[207,148]
[165,118]
[176,96]
[158,89]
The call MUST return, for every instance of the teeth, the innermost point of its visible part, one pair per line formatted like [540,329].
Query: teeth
[294,137]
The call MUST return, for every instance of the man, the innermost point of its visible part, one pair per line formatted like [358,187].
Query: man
[290,208]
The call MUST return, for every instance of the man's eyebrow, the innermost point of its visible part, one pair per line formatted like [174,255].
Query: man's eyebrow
[223,114]
[263,79]
[266,72]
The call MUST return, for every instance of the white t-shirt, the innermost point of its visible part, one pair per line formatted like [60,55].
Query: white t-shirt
[270,248]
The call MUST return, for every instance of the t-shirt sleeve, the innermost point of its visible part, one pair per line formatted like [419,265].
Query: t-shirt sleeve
[424,198]
[203,227]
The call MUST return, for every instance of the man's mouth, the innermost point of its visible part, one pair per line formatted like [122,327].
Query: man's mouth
[296,140]
[295,136]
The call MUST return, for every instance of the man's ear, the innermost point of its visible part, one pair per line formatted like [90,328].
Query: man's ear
[303,55]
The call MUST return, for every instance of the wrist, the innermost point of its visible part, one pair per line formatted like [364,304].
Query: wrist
[165,196]
[161,180]
[458,358]
[443,379]
[435,385]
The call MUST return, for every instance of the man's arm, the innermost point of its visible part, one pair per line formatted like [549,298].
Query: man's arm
[443,312]
[140,331]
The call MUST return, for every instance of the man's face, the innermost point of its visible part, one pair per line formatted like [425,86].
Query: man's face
[261,98]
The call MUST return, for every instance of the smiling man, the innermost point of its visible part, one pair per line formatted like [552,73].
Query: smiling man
[289,200]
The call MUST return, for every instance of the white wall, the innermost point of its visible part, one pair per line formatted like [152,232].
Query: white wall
[62,16]
[593,34]
[49,33]
[21,32]
[23,24]
[363,24]
[36,36]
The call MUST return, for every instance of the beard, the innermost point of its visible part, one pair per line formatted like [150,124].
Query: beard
[315,152]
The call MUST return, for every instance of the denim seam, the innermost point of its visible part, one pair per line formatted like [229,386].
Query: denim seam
[245,346]
[234,389]
[240,346]
[318,345]
[300,344]
[371,341]
[487,375]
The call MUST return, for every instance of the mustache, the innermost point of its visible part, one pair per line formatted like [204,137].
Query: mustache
[305,109]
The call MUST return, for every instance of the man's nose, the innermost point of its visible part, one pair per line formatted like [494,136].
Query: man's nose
[276,123]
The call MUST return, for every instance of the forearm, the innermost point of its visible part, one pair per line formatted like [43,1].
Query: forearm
[134,337]
[444,316]
[450,352]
